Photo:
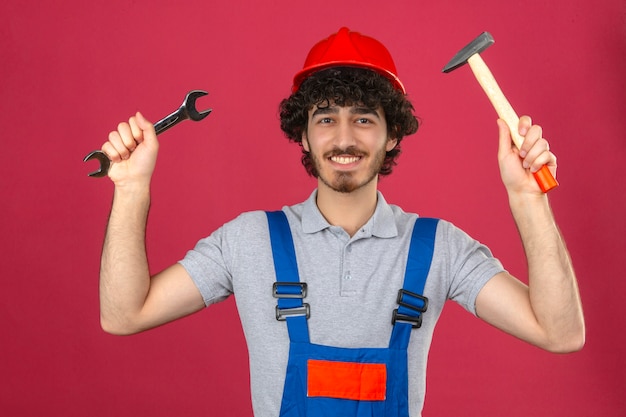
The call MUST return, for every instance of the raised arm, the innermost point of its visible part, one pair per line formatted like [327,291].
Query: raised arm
[130,299]
[547,312]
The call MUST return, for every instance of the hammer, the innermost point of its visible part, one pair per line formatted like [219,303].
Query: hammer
[471,54]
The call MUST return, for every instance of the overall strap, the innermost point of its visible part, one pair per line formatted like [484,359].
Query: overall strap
[288,289]
[411,301]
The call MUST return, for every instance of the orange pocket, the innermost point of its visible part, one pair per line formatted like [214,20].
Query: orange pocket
[347,380]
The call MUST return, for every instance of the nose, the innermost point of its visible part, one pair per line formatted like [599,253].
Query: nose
[345,134]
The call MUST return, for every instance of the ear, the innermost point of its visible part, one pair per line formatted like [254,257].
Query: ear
[305,142]
[391,143]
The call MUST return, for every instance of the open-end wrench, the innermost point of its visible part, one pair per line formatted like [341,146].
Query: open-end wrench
[186,111]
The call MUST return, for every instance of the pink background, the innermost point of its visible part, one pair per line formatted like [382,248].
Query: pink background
[72,70]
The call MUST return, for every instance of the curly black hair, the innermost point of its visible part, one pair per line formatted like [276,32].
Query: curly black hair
[346,86]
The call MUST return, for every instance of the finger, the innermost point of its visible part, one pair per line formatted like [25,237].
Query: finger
[135,130]
[533,134]
[118,150]
[525,122]
[546,158]
[539,156]
[147,128]
[111,152]
[127,136]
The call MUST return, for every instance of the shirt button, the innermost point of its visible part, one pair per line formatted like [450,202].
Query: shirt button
[347,277]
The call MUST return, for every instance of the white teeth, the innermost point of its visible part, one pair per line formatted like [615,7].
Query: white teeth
[344,159]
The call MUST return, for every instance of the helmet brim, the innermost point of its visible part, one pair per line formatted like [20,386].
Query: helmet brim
[306,72]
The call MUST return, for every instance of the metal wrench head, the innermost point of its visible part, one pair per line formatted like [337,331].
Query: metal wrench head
[105,163]
[189,106]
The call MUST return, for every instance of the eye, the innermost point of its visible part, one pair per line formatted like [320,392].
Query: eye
[325,120]
[363,120]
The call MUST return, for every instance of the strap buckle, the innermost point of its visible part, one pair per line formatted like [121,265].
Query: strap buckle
[283,313]
[289,290]
[421,307]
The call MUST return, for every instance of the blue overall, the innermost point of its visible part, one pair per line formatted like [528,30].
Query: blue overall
[325,381]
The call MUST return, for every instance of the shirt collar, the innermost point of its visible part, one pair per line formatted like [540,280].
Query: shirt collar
[381,224]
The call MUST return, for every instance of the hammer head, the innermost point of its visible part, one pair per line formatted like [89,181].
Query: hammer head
[482,42]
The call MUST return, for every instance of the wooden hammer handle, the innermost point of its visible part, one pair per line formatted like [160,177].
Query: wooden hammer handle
[505,111]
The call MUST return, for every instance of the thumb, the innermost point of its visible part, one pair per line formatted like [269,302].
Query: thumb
[505,145]
[148,136]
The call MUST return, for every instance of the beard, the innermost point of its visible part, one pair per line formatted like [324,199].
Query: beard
[345,181]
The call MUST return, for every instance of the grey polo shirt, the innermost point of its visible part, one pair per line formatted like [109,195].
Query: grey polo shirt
[352,286]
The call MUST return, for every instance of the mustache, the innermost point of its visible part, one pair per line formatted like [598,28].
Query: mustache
[350,150]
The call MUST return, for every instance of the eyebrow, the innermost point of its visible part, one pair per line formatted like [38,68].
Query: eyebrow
[353,110]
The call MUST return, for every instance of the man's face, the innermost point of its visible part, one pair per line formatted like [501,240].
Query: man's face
[347,145]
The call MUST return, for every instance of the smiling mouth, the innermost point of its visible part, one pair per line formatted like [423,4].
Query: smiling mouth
[345,160]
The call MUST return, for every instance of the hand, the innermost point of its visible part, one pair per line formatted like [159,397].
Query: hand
[132,149]
[517,166]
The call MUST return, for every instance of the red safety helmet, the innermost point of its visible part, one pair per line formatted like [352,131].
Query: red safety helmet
[347,48]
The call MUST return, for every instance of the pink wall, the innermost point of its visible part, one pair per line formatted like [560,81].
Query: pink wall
[71,70]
